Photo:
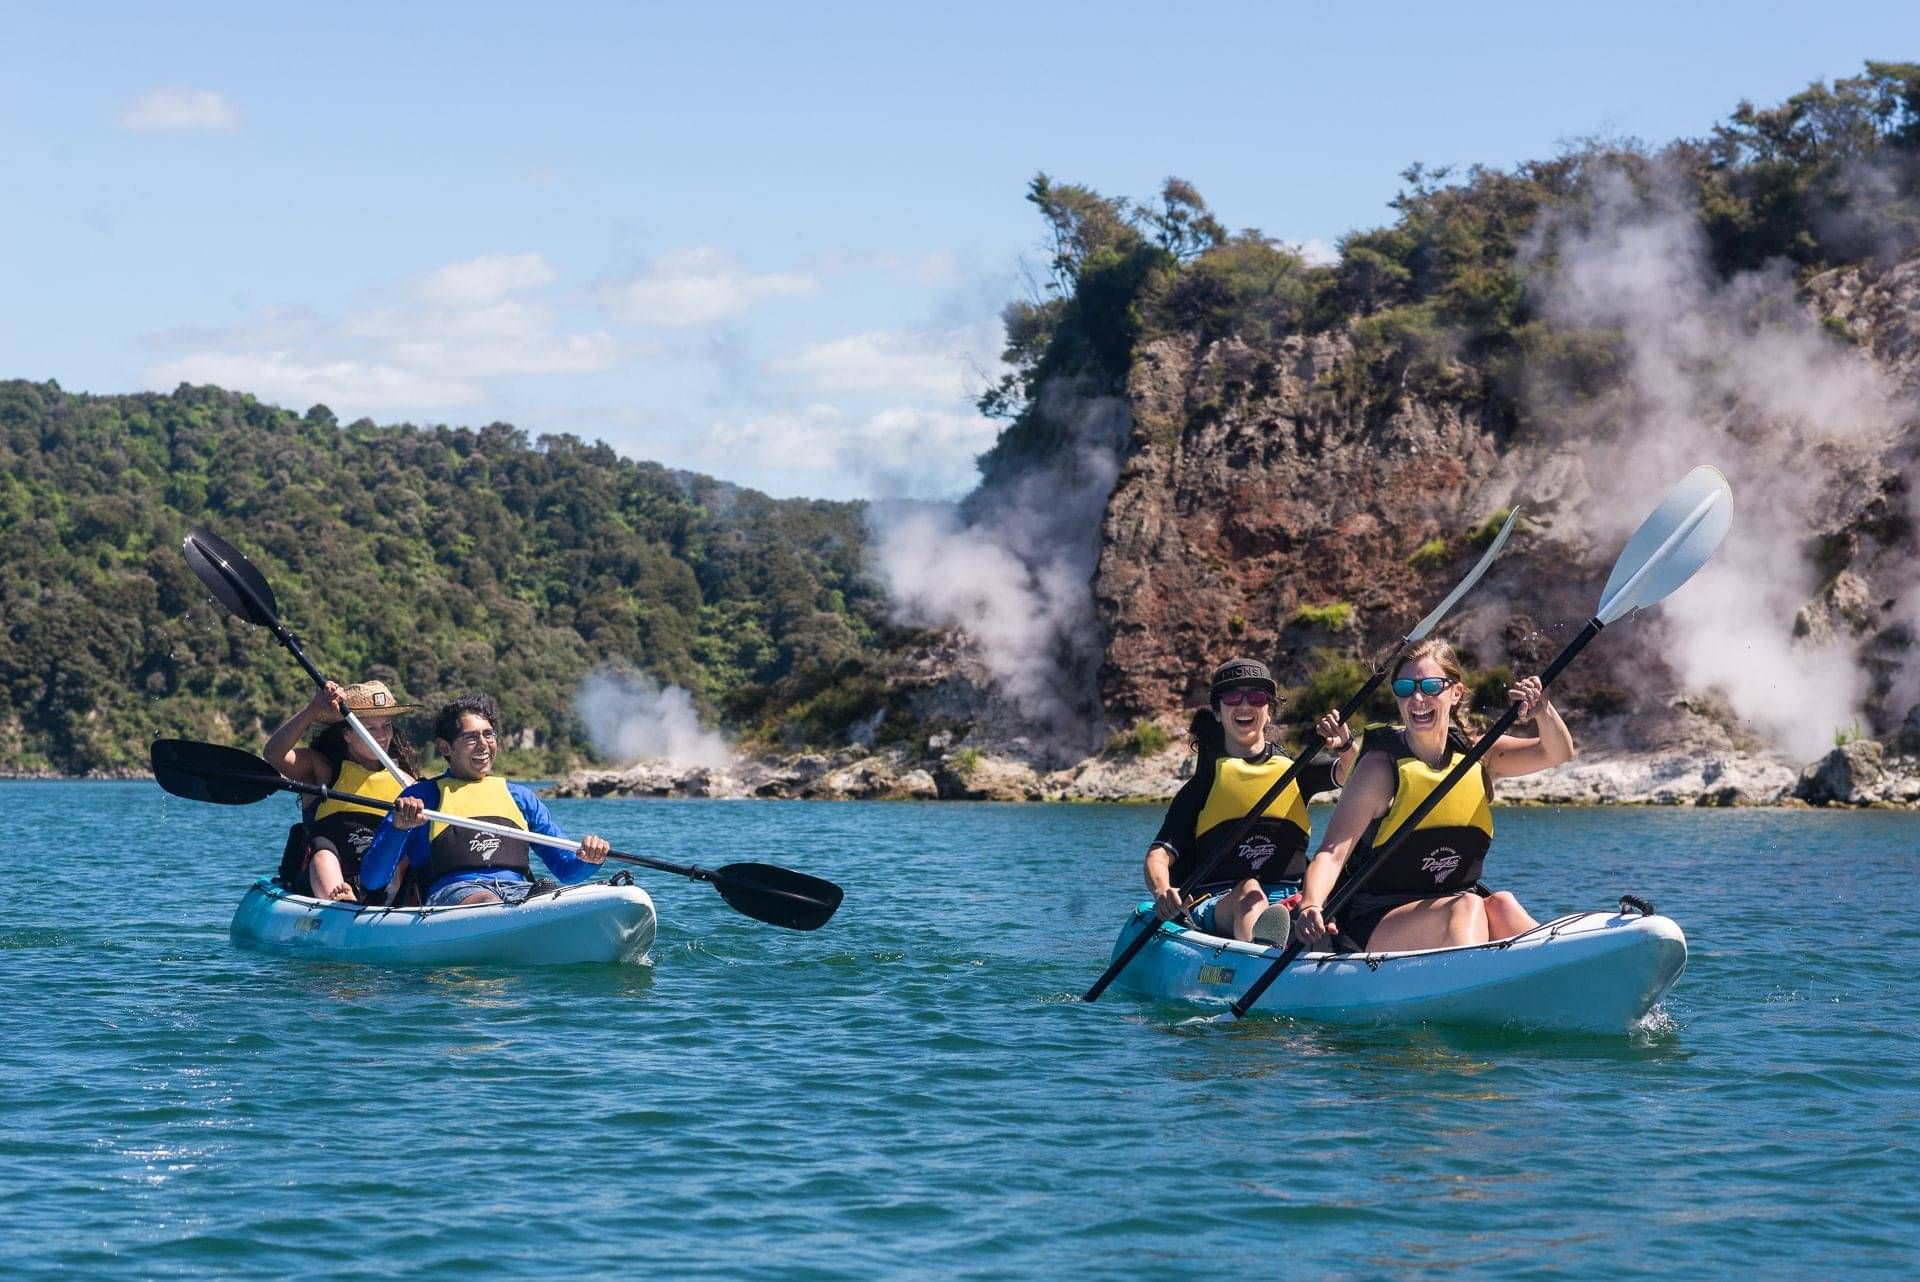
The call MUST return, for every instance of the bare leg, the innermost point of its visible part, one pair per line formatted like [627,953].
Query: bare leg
[323,874]
[1238,909]
[479,897]
[1505,917]
[1432,923]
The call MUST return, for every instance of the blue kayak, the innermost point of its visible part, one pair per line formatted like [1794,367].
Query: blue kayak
[1586,972]
[593,922]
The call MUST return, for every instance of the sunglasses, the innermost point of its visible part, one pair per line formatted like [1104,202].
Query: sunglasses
[1403,687]
[1252,698]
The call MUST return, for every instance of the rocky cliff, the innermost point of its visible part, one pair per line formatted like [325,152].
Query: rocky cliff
[1257,512]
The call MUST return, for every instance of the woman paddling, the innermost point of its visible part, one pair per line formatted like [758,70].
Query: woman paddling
[325,859]
[1428,895]
[1236,767]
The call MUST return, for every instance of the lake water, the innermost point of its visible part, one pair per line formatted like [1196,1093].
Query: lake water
[915,1090]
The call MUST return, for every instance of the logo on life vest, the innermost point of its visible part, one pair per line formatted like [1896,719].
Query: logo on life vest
[1256,851]
[1441,863]
[484,844]
[360,839]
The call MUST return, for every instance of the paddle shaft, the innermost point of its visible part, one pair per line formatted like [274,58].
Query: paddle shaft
[1342,896]
[1239,831]
[279,629]
[506,830]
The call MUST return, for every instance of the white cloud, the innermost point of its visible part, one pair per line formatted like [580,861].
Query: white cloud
[438,346]
[902,450]
[505,356]
[893,364]
[689,288]
[486,279]
[348,386]
[1318,252]
[178,107]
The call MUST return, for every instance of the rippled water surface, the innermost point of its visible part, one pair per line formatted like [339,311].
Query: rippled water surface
[914,1090]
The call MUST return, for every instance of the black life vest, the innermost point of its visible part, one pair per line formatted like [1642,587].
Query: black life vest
[463,849]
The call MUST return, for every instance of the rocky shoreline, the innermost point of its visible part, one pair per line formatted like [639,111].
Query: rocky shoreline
[1864,773]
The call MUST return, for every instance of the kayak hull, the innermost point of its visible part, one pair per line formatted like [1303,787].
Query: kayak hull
[1588,972]
[596,922]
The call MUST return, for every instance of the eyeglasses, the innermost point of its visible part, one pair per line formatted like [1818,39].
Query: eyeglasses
[474,738]
[1403,687]
[1252,698]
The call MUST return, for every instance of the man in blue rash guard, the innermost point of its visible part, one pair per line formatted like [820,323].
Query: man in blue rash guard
[462,866]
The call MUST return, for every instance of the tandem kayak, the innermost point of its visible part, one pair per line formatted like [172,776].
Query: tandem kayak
[593,922]
[1588,972]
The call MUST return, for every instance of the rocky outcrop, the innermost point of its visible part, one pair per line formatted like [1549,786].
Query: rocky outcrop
[1861,773]
[1659,779]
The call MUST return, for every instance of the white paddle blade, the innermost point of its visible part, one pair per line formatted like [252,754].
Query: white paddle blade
[1432,621]
[1671,545]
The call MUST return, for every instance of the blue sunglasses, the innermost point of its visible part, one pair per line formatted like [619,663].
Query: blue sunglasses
[1403,687]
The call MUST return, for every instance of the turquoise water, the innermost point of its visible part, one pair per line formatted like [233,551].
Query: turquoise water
[914,1091]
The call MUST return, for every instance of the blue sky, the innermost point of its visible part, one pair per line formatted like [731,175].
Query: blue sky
[761,241]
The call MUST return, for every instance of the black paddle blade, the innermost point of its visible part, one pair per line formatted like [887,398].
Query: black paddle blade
[778,896]
[208,772]
[230,577]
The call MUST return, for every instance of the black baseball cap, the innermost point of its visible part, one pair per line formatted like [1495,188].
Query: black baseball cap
[1241,674]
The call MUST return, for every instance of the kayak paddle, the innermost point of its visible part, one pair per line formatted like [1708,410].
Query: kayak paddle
[233,777]
[1668,549]
[238,586]
[1347,711]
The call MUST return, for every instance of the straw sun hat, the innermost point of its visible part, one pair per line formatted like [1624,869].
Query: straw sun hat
[370,699]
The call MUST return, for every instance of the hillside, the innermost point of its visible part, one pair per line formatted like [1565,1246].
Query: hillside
[442,559]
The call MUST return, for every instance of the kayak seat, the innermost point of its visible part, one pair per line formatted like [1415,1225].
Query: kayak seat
[293,861]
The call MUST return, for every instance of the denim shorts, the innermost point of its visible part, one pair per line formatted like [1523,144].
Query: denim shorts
[510,889]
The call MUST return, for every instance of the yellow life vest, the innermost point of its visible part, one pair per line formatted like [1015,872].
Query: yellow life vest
[344,827]
[1238,783]
[1446,850]
[362,782]
[463,849]
[1273,852]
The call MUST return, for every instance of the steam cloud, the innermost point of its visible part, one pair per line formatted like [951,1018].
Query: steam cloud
[1011,567]
[1737,373]
[629,717]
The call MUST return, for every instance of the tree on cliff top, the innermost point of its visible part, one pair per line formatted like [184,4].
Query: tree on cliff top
[1831,176]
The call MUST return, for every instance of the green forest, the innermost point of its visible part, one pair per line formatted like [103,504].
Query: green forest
[447,559]
[442,560]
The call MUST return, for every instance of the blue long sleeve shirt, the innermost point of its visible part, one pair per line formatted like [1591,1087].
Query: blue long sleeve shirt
[391,844]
